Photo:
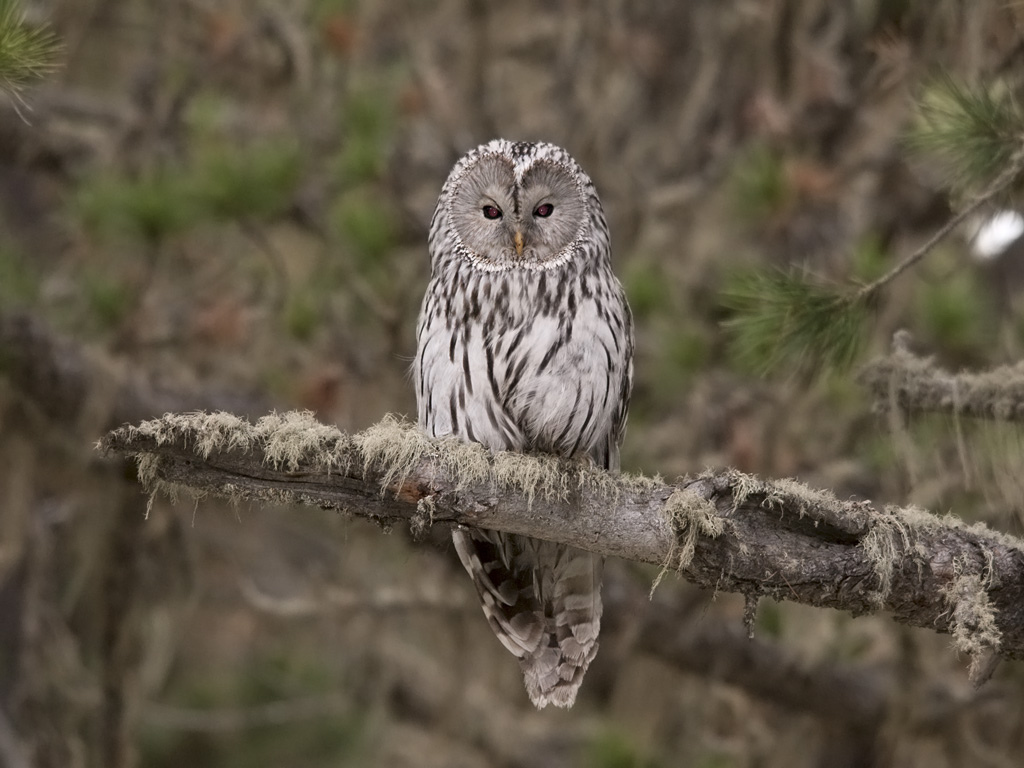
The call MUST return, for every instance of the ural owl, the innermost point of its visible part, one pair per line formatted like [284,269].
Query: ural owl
[525,343]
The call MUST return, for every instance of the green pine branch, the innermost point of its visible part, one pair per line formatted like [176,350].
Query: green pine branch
[27,52]
[970,132]
[1009,175]
[783,320]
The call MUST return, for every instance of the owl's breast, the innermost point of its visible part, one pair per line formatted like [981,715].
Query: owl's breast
[527,364]
[567,395]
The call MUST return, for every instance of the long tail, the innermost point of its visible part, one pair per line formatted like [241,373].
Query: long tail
[543,601]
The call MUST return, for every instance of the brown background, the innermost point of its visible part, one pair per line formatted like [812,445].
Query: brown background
[720,135]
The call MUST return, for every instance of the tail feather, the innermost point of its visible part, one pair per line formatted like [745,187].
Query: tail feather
[543,601]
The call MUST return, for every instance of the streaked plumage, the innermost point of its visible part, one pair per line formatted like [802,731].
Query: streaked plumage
[525,343]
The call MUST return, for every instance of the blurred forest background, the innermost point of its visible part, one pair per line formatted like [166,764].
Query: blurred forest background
[221,203]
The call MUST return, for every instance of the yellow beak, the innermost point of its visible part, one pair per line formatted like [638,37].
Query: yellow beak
[519,243]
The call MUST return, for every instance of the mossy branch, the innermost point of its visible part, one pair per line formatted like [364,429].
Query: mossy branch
[739,533]
[917,385]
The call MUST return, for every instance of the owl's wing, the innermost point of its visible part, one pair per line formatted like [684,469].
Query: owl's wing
[606,452]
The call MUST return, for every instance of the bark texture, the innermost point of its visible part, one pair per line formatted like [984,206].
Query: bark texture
[722,529]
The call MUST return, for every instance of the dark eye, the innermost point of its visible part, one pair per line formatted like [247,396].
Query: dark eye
[544,210]
[492,212]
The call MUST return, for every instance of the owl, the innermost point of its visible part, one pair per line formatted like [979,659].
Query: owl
[525,343]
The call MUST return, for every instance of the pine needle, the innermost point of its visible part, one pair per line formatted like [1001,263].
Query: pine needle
[976,135]
[27,52]
[782,319]
[1010,173]
[970,132]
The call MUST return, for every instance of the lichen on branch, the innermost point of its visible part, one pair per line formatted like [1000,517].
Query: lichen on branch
[722,529]
[916,384]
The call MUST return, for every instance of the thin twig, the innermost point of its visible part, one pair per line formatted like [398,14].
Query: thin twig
[999,185]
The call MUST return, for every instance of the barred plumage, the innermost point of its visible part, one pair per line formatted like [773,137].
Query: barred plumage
[525,343]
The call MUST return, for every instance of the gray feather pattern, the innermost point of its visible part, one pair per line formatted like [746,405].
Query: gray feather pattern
[525,343]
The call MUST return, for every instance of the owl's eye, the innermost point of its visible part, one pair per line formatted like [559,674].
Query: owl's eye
[492,212]
[544,210]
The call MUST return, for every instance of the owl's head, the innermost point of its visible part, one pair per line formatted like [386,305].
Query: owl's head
[519,205]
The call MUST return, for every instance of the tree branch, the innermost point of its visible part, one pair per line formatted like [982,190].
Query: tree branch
[916,384]
[58,374]
[724,529]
